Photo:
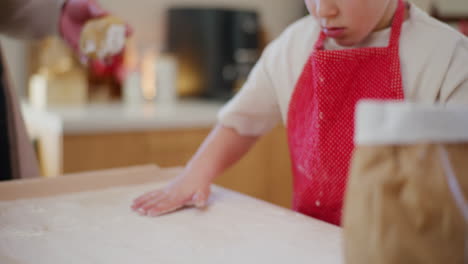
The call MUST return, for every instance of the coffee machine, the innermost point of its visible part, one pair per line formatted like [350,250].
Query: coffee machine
[215,49]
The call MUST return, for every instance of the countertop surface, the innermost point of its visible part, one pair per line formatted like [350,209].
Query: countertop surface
[95,118]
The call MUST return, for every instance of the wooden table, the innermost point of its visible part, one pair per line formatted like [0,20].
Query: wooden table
[85,218]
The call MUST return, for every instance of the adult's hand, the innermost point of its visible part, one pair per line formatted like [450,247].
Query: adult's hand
[75,14]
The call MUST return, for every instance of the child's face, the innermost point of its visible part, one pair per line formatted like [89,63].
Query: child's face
[350,21]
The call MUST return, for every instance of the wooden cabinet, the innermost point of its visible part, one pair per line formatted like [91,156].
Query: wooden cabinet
[263,173]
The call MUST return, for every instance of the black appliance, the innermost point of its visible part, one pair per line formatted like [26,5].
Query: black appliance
[215,49]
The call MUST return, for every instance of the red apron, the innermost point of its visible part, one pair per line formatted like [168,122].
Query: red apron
[321,117]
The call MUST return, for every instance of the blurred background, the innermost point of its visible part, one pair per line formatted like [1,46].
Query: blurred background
[185,59]
[151,19]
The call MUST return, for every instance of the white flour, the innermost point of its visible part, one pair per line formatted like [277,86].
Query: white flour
[99,227]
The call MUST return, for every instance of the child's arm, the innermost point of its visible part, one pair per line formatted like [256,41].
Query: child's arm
[221,149]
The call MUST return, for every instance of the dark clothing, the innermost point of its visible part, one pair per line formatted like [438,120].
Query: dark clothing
[5,159]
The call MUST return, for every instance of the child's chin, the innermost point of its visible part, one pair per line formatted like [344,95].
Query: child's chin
[346,42]
[349,41]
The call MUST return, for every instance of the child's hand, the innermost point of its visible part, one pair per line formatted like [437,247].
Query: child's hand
[185,190]
[222,148]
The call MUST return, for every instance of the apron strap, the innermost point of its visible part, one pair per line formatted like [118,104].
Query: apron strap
[397,24]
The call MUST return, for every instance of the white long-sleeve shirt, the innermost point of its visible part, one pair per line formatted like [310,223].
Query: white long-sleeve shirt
[433,58]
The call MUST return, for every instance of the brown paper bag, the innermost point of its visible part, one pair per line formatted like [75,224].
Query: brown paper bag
[405,201]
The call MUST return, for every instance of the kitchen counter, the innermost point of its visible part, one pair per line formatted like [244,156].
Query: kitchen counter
[52,125]
[97,118]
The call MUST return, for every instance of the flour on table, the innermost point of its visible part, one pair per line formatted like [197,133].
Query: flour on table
[99,227]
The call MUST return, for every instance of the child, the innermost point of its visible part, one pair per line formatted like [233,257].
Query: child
[311,78]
